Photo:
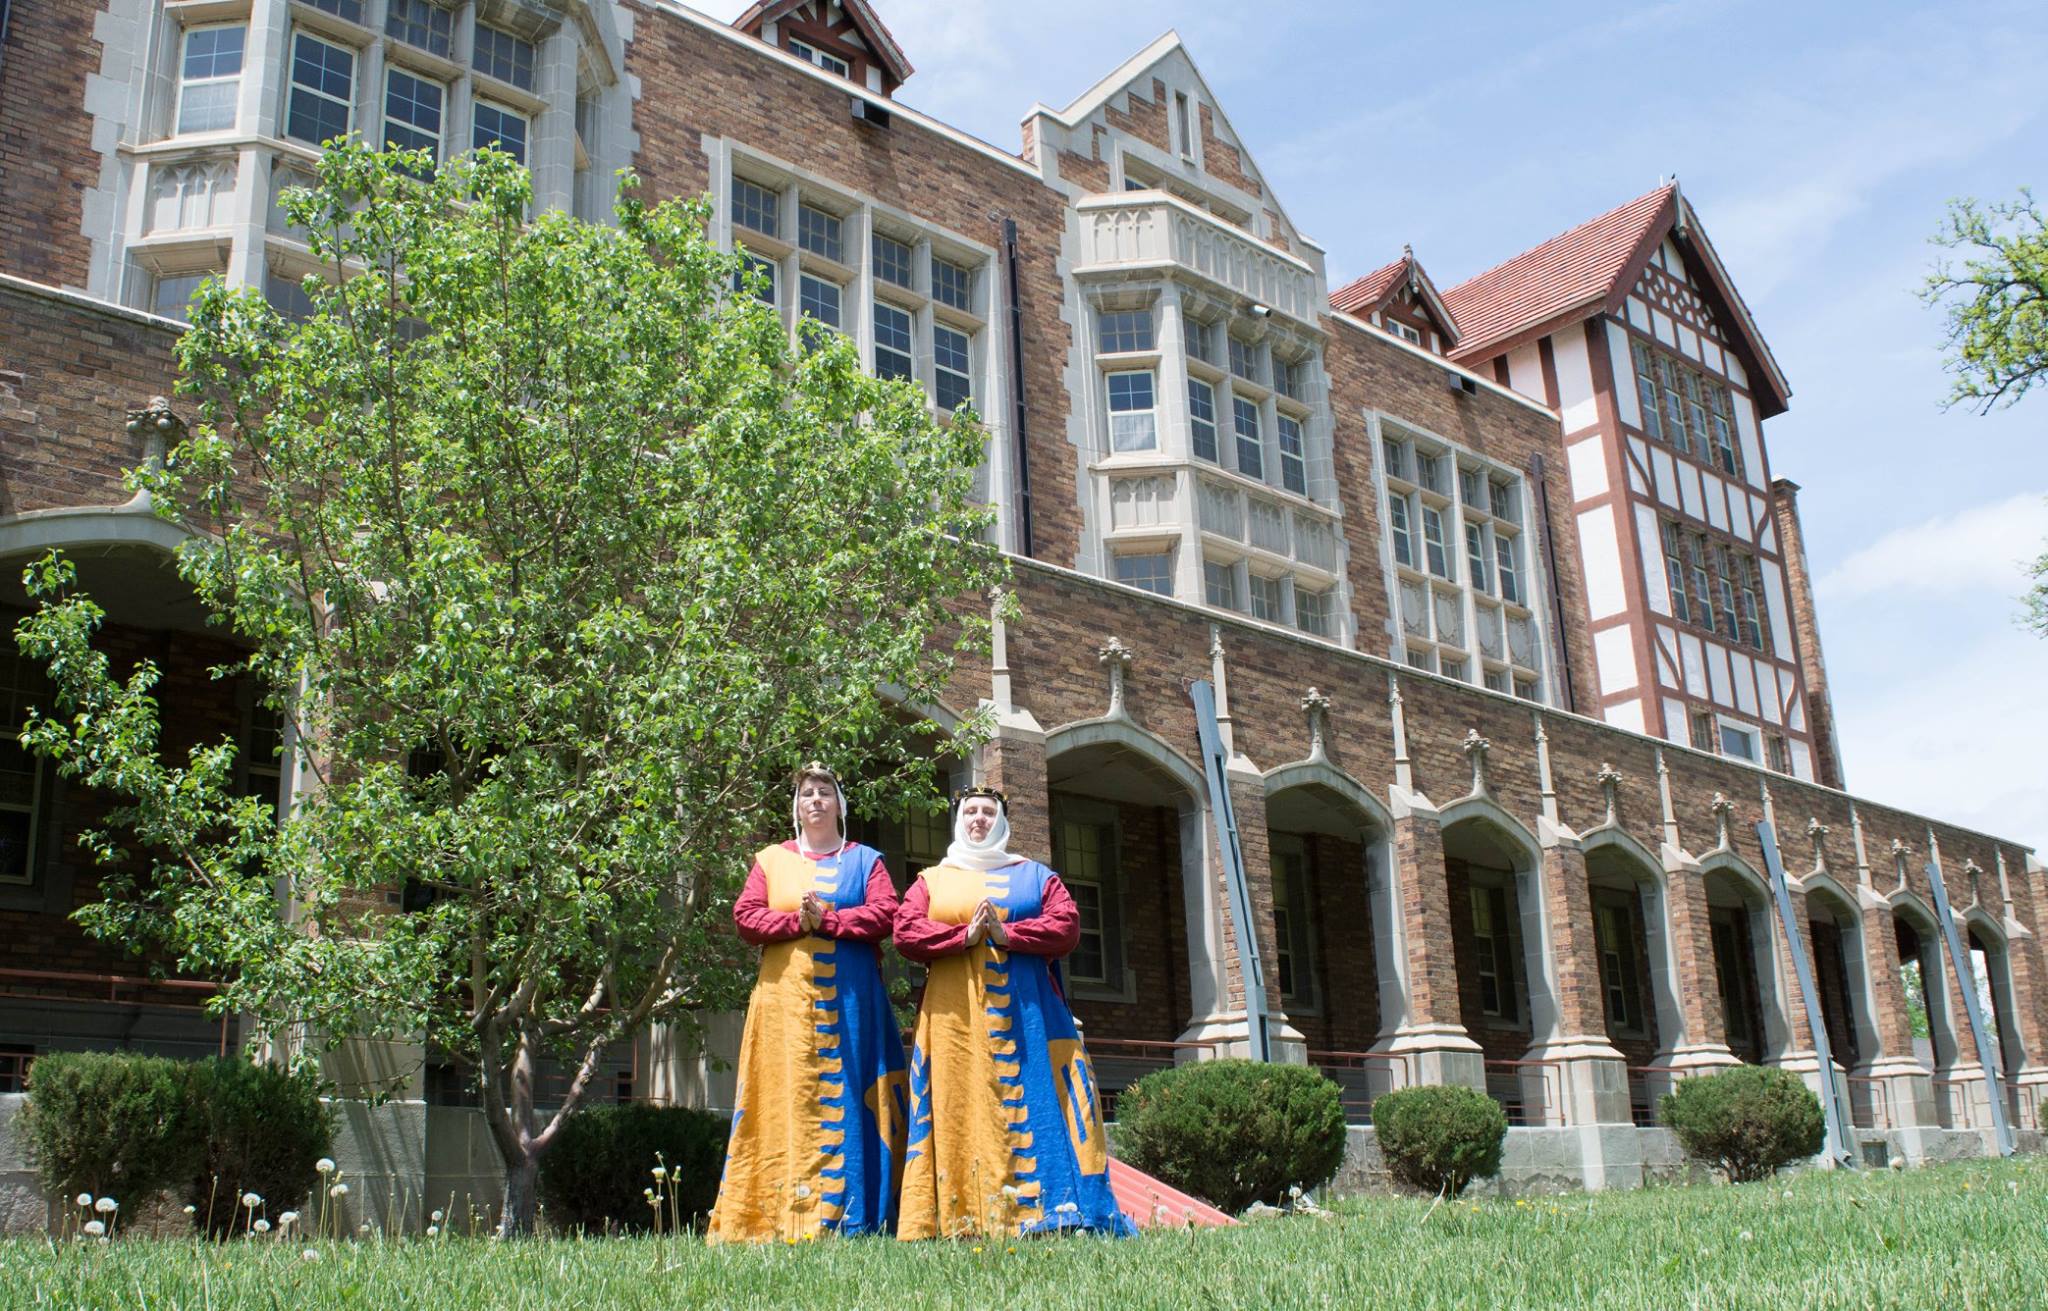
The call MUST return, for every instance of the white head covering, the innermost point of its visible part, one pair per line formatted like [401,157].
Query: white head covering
[796,820]
[987,854]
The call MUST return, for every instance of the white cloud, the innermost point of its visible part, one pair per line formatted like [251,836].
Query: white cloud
[1985,547]
[1960,740]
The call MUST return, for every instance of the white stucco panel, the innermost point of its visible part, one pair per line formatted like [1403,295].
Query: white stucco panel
[1688,481]
[1675,727]
[1600,547]
[1664,641]
[1717,674]
[1638,314]
[1625,714]
[1746,433]
[1802,760]
[1716,501]
[1688,341]
[1661,325]
[1615,653]
[1656,582]
[1767,676]
[1694,657]
[1745,684]
[1575,405]
[1774,597]
[1587,461]
[1525,373]
[1624,368]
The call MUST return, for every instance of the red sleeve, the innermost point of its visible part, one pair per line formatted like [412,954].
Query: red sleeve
[1054,930]
[872,919]
[758,924]
[918,935]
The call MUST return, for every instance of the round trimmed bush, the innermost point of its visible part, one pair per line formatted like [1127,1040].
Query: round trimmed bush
[594,1174]
[1233,1132]
[1439,1139]
[1749,1121]
[111,1123]
[261,1130]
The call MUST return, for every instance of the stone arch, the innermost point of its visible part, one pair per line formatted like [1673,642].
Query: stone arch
[1612,851]
[1331,846]
[1984,936]
[1111,764]
[1841,913]
[1739,910]
[1483,841]
[1918,934]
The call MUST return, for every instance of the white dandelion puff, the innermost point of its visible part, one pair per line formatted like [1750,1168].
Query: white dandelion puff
[432,1230]
[661,1172]
[251,1200]
[83,1199]
[325,1165]
[338,1190]
[261,1226]
[191,1209]
[95,1227]
[437,1217]
[309,1255]
[803,1190]
[106,1206]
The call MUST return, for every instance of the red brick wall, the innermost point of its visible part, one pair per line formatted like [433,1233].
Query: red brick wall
[46,154]
[694,84]
[68,377]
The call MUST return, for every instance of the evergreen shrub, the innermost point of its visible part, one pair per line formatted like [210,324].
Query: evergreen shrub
[1233,1132]
[1440,1139]
[595,1174]
[1750,1121]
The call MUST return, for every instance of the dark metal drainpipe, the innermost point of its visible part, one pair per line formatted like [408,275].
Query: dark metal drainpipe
[4,8]
[1560,648]
[1020,412]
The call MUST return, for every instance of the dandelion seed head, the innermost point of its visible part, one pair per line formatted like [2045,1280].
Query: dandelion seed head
[106,1206]
[661,1172]
[191,1209]
[438,1216]
[432,1230]
[251,1200]
[309,1255]
[338,1190]
[95,1227]
[83,1199]
[261,1226]
[288,1219]
[325,1165]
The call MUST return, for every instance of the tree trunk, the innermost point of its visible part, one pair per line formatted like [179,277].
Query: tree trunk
[522,1182]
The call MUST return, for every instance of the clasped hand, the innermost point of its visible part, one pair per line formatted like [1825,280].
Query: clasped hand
[987,923]
[811,913]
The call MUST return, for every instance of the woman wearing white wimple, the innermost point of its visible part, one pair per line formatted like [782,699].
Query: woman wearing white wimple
[821,1106]
[1005,1133]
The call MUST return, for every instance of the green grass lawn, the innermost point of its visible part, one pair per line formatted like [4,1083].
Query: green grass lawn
[1951,1237]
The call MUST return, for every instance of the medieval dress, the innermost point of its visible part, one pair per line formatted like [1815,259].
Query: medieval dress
[1005,1132]
[821,1106]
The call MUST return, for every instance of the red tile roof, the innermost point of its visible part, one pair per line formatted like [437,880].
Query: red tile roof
[1573,269]
[1364,295]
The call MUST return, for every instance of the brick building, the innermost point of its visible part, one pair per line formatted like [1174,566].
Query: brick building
[1509,619]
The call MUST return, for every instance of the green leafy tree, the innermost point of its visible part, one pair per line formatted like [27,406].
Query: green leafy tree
[557,557]
[1996,307]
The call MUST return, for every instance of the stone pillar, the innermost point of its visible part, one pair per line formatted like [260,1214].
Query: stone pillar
[1901,1092]
[1248,800]
[1592,1083]
[1013,761]
[1702,1046]
[1417,961]
[1961,1095]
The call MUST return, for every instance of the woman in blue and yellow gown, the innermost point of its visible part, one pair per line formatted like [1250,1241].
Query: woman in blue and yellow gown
[821,1105]
[1005,1130]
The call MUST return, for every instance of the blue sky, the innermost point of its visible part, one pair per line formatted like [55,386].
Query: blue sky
[1818,142]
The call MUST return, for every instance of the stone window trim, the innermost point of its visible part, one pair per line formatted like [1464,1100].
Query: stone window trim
[1294,925]
[1617,929]
[1495,901]
[943,331]
[1119,984]
[1435,497]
